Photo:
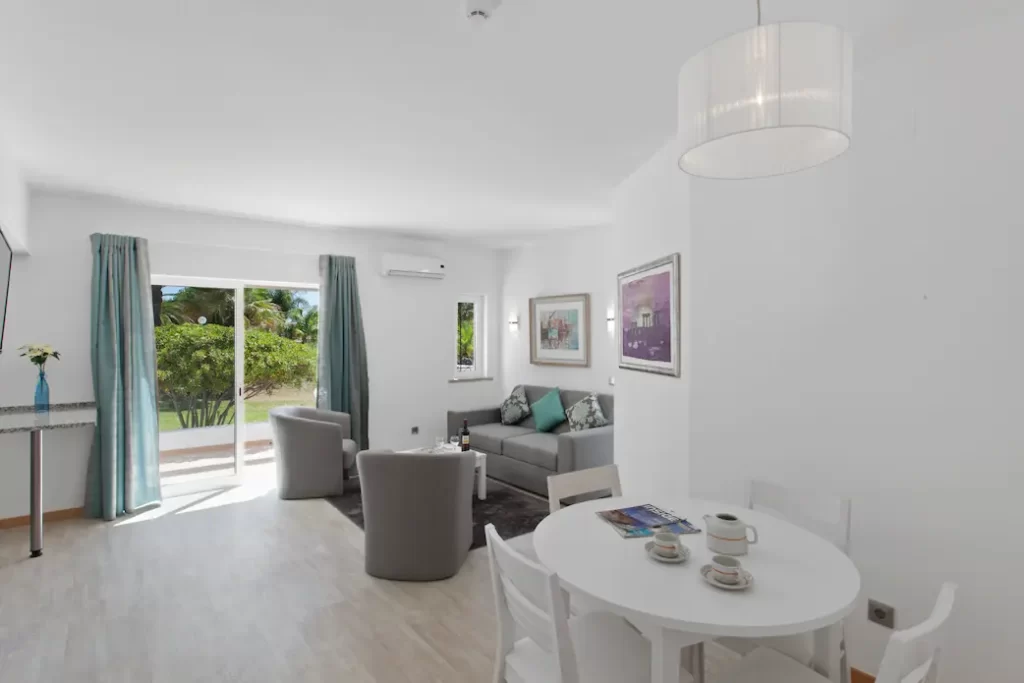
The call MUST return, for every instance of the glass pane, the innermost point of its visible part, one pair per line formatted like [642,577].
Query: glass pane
[280,364]
[195,352]
[465,356]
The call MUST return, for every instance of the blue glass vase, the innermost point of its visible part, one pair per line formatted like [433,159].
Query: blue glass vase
[42,393]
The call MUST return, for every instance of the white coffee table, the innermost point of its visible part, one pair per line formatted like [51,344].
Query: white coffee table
[481,465]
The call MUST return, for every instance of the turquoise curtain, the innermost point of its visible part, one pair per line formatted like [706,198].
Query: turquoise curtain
[342,378]
[124,472]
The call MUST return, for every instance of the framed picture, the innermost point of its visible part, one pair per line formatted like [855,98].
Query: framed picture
[648,315]
[560,330]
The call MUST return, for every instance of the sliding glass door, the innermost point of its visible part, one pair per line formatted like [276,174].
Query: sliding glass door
[227,354]
[280,368]
[200,354]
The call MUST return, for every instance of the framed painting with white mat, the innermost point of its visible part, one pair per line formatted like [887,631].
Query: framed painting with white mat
[648,315]
[560,330]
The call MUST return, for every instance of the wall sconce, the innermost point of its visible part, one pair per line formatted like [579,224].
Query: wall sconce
[611,321]
[513,322]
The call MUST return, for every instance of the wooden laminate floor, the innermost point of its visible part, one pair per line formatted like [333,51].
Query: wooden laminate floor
[232,586]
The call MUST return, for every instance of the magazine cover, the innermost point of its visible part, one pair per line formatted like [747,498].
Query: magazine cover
[645,520]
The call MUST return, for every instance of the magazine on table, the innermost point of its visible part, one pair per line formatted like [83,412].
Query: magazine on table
[641,521]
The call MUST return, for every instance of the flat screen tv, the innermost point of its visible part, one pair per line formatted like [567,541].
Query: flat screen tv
[6,256]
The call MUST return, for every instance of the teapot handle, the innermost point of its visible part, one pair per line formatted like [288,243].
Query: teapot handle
[754,529]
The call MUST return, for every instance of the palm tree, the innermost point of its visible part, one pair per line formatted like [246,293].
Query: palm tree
[261,312]
[306,325]
[172,313]
[218,307]
[286,300]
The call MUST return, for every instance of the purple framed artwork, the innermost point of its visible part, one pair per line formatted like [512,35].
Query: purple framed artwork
[560,330]
[649,317]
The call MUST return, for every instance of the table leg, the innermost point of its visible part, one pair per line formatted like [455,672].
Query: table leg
[696,653]
[827,653]
[36,492]
[481,483]
[667,653]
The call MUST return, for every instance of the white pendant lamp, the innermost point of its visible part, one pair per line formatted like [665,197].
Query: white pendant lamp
[771,100]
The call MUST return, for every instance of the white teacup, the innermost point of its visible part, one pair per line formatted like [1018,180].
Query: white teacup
[726,569]
[667,544]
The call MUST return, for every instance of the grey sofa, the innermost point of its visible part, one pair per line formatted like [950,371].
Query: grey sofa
[520,455]
[314,451]
[417,513]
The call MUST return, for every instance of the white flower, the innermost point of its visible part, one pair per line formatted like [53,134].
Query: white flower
[39,353]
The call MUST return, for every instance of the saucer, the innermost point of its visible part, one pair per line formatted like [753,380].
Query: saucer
[746,579]
[683,556]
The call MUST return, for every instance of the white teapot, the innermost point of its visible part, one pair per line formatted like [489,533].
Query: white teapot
[727,534]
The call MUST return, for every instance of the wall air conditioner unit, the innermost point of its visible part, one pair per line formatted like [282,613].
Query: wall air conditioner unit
[407,265]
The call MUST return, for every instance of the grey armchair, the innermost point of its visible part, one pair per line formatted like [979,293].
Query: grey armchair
[314,451]
[417,513]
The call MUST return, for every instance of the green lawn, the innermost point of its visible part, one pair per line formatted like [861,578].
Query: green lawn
[256,410]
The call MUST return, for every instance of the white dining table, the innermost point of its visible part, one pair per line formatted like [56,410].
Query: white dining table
[802,583]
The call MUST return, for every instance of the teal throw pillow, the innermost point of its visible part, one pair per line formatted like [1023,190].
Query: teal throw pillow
[548,412]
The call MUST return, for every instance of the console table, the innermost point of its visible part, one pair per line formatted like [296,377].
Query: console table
[25,419]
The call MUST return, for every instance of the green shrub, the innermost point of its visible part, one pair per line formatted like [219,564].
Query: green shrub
[196,369]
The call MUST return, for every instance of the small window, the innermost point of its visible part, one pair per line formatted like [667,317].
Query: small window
[469,343]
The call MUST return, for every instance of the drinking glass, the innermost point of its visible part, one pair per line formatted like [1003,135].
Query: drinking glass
[439,442]
[454,441]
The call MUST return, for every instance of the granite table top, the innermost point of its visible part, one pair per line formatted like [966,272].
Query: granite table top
[61,416]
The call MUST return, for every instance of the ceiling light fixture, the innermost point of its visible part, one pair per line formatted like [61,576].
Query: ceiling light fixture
[768,101]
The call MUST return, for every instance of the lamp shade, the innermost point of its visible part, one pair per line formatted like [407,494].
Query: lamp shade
[772,100]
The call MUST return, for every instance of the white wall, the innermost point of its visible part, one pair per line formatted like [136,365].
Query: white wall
[409,323]
[13,200]
[858,328]
[567,262]
[652,411]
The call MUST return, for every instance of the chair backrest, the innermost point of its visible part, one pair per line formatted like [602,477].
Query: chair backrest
[912,656]
[295,411]
[822,513]
[529,596]
[561,486]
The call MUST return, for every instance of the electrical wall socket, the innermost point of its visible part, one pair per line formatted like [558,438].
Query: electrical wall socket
[415,430]
[881,614]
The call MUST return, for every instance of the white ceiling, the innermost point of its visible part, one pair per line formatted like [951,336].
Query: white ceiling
[388,113]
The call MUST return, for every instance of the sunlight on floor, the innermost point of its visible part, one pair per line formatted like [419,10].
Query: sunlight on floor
[260,479]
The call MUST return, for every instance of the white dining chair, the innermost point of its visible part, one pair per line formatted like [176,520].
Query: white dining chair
[592,480]
[823,514]
[595,648]
[912,655]
[562,486]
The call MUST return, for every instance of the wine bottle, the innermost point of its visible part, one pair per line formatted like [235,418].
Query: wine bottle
[464,433]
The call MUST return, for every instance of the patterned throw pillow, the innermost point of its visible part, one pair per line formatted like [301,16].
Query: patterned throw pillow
[586,414]
[515,408]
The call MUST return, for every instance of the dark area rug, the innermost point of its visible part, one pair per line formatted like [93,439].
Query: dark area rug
[512,512]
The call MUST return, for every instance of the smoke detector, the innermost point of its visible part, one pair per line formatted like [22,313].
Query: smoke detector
[479,11]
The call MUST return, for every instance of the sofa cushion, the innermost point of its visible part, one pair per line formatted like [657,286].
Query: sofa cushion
[548,412]
[585,414]
[515,408]
[489,437]
[569,397]
[537,449]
